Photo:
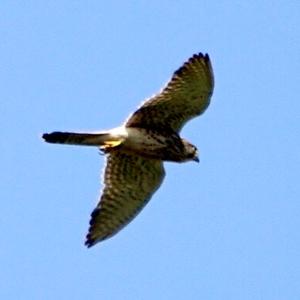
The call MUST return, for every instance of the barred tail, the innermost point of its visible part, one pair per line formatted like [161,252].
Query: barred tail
[85,139]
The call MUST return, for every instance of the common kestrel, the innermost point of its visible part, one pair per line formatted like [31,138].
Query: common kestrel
[136,150]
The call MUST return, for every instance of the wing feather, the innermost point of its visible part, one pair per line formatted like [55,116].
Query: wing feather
[185,96]
[129,183]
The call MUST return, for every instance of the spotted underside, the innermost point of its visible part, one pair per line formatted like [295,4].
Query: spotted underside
[129,182]
[185,96]
[135,151]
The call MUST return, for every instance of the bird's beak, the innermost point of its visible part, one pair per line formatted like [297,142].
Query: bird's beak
[196,159]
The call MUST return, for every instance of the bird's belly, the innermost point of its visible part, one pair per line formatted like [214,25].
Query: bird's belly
[146,143]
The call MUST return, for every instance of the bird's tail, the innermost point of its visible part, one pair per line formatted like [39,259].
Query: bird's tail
[102,140]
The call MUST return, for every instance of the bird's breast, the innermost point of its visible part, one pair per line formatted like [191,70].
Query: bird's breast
[140,137]
[153,144]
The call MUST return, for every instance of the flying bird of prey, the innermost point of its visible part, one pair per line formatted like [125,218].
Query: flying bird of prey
[135,151]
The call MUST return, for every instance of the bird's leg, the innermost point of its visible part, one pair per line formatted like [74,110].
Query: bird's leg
[109,146]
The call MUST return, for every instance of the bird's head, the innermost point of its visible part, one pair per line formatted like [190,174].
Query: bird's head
[191,151]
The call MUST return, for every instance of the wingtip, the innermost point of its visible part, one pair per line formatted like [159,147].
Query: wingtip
[197,57]
[89,243]
[200,55]
[206,56]
[89,240]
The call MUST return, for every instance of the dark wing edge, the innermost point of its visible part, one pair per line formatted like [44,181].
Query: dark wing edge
[185,96]
[129,183]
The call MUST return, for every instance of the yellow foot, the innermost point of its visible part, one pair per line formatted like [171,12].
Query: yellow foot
[110,144]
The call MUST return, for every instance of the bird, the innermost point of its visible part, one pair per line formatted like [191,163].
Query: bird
[136,151]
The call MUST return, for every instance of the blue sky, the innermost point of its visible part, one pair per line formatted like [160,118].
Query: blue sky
[227,228]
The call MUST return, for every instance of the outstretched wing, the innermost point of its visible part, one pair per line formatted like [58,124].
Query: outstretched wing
[185,96]
[129,183]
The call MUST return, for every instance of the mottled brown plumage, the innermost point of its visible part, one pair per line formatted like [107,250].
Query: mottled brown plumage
[185,96]
[129,182]
[136,151]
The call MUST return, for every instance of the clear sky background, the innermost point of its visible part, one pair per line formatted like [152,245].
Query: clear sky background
[227,228]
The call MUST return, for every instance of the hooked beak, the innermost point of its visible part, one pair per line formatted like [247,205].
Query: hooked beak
[196,158]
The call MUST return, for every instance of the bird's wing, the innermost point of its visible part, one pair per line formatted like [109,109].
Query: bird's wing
[185,96]
[129,183]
